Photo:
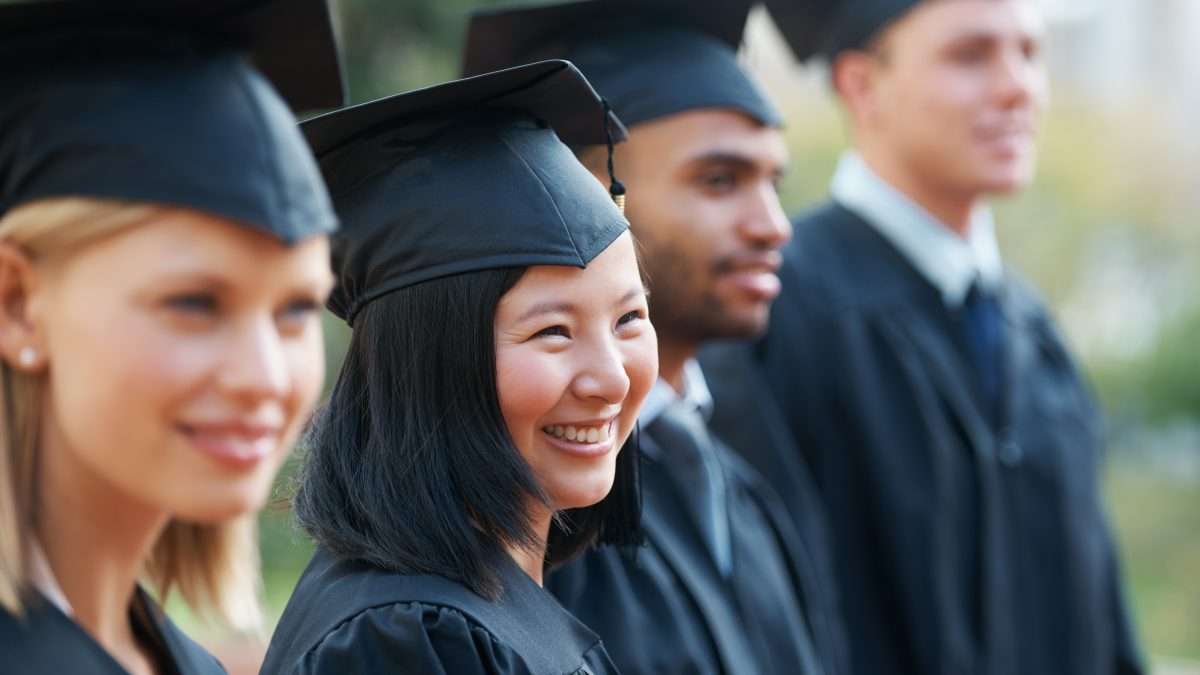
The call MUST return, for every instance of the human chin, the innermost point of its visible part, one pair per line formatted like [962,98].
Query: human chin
[1008,175]
[210,492]
[574,486]
[740,317]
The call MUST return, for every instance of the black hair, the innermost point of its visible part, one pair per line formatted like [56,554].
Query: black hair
[410,466]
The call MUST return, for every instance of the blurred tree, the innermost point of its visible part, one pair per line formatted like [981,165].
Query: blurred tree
[391,46]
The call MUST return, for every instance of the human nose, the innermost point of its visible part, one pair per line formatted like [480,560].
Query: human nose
[1021,79]
[766,225]
[602,375]
[255,366]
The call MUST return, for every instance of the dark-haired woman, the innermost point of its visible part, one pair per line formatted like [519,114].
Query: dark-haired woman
[500,356]
[163,262]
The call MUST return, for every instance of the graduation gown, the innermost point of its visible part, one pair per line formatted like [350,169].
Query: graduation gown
[350,617]
[746,417]
[44,641]
[964,541]
[668,610]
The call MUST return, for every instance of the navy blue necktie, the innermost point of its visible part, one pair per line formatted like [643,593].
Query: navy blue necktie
[985,332]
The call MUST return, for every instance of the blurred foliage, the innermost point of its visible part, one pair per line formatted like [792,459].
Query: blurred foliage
[1157,520]
[1104,177]
[389,47]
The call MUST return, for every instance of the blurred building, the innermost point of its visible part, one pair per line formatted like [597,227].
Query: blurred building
[1117,52]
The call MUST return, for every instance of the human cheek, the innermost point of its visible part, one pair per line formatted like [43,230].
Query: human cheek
[641,367]
[119,391]
[306,367]
[529,384]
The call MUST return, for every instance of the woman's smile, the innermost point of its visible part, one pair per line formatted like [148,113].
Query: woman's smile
[589,438]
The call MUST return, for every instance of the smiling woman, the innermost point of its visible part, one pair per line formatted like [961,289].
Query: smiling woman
[477,433]
[460,381]
[212,338]
[163,259]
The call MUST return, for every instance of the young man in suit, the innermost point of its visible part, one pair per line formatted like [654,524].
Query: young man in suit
[953,439]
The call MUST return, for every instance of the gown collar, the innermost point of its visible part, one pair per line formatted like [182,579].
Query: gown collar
[44,581]
[949,262]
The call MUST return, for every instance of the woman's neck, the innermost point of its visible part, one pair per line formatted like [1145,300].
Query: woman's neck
[533,562]
[96,541]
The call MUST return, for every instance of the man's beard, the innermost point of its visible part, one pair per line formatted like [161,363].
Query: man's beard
[683,306]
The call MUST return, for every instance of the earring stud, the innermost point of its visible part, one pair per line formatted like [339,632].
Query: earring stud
[27,357]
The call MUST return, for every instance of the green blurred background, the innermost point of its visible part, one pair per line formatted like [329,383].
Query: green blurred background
[1107,232]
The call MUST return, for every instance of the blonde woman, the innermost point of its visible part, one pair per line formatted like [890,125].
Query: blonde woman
[163,258]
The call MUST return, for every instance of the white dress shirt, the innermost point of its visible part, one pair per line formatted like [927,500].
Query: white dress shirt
[947,260]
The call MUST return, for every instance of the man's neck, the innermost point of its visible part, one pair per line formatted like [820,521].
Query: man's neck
[952,209]
[672,356]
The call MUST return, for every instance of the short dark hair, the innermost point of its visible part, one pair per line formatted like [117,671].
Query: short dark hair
[410,465]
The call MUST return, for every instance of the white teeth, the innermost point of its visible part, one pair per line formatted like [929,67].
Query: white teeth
[580,434]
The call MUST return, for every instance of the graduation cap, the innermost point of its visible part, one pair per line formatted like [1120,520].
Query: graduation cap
[826,28]
[292,42]
[469,175]
[157,102]
[648,58]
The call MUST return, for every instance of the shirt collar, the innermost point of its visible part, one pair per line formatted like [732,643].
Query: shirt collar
[946,260]
[662,394]
[42,578]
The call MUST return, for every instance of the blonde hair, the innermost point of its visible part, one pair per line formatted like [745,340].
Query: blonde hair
[215,567]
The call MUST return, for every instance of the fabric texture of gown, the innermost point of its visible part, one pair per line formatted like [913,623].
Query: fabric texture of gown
[668,610]
[349,617]
[45,641]
[966,538]
[747,418]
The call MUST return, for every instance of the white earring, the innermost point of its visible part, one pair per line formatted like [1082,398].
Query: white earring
[27,357]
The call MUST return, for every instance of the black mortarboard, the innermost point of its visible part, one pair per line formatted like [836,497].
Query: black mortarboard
[465,176]
[104,100]
[827,27]
[648,58]
[292,42]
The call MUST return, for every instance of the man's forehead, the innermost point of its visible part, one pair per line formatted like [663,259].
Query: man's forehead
[953,18]
[712,133]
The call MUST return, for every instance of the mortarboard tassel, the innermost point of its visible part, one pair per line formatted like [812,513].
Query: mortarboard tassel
[615,188]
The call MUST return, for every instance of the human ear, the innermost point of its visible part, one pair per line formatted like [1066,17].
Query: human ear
[853,75]
[21,343]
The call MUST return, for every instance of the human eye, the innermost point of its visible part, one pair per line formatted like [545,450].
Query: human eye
[718,182]
[972,52]
[197,303]
[556,331]
[1031,50]
[631,317]
[298,313]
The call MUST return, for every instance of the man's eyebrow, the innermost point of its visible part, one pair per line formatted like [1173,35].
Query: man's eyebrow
[724,157]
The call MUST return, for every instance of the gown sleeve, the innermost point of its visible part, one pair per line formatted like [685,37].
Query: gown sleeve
[410,638]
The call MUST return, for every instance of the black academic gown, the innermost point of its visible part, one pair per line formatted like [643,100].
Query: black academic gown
[347,617]
[965,540]
[44,641]
[667,610]
[746,416]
